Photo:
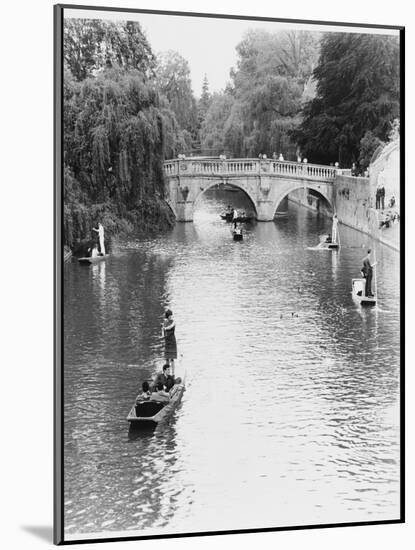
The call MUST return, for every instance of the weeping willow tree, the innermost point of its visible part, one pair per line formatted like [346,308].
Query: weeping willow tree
[118,129]
[117,132]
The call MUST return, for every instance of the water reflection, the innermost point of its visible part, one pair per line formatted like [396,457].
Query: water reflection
[292,400]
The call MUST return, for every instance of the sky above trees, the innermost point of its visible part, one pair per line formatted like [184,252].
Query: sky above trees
[208,44]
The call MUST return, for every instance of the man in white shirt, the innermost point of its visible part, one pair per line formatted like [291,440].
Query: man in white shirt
[100,232]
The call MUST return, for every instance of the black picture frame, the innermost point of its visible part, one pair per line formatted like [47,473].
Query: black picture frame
[59,520]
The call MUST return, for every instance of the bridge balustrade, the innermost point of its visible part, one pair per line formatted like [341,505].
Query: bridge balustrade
[243,167]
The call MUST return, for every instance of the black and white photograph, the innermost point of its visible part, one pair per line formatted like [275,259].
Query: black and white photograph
[229,205]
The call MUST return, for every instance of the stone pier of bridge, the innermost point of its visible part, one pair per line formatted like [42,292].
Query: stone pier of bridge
[265,182]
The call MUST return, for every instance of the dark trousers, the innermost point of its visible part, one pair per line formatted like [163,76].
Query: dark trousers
[382,201]
[368,288]
[377,202]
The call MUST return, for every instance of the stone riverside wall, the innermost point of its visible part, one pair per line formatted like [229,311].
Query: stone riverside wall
[355,200]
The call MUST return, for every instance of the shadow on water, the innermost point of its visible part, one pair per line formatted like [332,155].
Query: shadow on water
[141,430]
[43,532]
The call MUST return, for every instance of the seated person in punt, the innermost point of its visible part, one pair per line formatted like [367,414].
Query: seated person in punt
[160,395]
[93,252]
[145,393]
[163,378]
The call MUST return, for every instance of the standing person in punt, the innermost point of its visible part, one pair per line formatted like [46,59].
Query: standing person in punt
[334,229]
[367,271]
[100,230]
[170,345]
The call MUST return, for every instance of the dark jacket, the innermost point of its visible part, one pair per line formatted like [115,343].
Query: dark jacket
[161,378]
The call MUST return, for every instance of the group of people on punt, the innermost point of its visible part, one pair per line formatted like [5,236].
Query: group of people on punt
[234,213]
[165,385]
[162,389]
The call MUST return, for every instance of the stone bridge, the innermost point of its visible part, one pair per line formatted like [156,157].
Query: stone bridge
[265,181]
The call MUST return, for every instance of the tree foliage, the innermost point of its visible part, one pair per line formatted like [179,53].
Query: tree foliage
[263,103]
[118,129]
[174,82]
[91,45]
[204,101]
[116,136]
[357,92]
[213,125]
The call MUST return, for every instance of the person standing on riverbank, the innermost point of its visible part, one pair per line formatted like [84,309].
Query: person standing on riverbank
[170,344]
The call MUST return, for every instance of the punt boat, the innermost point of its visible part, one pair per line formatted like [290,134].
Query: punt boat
[150,413]
[358,293]
[327,244]
[94,260]
[227,216]
[237,235]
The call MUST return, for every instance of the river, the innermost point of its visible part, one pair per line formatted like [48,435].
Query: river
[291,413]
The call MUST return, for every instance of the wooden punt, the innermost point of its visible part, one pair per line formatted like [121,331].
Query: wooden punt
[150,412]
[227,216]
[325,244]
[89,260]
[240,219]
[329,246]
[358,293]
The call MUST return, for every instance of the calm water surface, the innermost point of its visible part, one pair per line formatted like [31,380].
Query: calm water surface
[291,414]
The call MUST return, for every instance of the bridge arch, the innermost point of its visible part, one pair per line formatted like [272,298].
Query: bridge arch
[234,183]
[322,190]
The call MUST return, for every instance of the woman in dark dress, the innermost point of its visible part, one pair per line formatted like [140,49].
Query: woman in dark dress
[170,345]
